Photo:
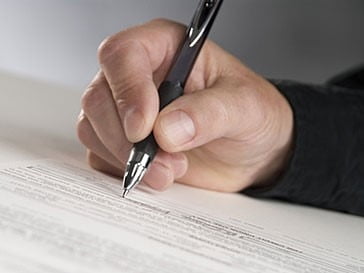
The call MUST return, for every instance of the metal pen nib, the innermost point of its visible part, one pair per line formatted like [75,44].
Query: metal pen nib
[137,165]
[125,193]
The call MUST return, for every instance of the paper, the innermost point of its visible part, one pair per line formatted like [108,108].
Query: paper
[56,217]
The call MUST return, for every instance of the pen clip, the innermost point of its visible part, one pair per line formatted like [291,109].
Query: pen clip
[202,20]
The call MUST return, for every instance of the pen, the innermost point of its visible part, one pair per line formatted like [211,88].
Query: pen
[172,87]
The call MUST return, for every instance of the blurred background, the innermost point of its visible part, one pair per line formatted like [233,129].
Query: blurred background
[56,40]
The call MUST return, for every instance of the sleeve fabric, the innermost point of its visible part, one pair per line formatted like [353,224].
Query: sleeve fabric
[327,165]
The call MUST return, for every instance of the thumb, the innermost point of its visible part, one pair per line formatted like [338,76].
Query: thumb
[203,116]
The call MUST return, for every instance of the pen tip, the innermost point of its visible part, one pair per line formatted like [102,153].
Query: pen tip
[125,193]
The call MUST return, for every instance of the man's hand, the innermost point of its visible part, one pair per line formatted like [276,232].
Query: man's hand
[230,130]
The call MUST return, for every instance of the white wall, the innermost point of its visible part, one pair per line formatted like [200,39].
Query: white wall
[56,40]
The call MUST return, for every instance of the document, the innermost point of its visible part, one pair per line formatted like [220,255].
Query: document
[59,217]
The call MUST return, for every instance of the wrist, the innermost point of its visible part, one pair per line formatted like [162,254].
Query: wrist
[281,138]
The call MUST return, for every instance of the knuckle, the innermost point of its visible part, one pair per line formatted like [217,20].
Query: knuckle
[106,48]
[93,97]
[159,21]
[84,131]
[119,46]
[163,22]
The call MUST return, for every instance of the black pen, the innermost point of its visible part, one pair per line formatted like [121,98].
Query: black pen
[172,87]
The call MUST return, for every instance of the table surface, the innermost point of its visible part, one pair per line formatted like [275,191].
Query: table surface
[38,120]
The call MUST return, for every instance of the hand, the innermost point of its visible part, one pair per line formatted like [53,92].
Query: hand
[230,130]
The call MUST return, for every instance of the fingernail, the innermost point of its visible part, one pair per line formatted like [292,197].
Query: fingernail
[133,123]
[178,127]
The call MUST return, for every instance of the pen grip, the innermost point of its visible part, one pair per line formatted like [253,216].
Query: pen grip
[168,92]
[148,146]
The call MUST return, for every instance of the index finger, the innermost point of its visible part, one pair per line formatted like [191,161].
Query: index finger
[130,60]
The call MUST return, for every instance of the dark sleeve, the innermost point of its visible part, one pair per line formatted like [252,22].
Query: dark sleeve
[327,165]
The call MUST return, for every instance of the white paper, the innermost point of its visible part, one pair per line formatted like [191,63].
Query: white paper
[56,217]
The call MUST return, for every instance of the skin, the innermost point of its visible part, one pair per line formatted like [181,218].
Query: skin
[231,129]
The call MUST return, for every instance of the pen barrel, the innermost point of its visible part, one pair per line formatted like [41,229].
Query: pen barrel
[168,92]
